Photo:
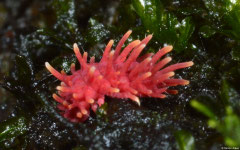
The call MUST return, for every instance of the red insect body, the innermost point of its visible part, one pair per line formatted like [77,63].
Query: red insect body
[119,74]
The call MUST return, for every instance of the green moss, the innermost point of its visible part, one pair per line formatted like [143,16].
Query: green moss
[185,140]
[163,24]
[12,129]
[229,124]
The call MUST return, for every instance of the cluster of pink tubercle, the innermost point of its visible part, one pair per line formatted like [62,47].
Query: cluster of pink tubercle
[119,74]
